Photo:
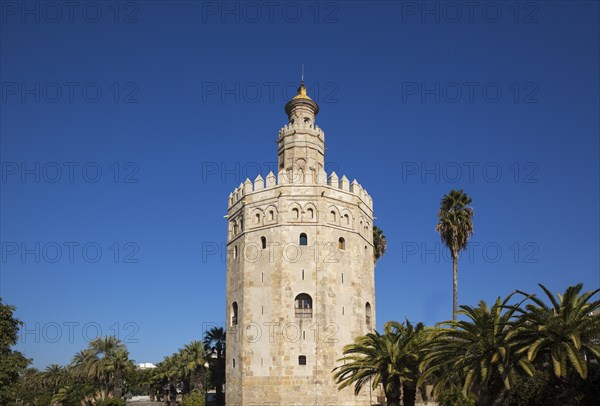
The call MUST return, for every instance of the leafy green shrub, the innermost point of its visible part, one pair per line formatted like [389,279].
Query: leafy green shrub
[44,399]
[111,402]
[454,397]
[195,398]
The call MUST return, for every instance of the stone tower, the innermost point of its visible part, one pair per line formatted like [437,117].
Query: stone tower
[300,281]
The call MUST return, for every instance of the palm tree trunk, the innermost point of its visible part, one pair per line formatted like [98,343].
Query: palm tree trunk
[409,394]
[454,285]
[219,371]
[392,394]
[118,390]
[198,379]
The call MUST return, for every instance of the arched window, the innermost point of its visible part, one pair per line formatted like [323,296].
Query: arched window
[333,216]
[302,360]
[342,243]
[295,214]
[310,213]
[235,252]
[271,215]
[368,314]
[263,242]
[347,219]
[303,306]
[303,239]
[234,313]
[257,218]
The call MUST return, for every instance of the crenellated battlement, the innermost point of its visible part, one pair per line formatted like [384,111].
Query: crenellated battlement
[301,126]
[299,178]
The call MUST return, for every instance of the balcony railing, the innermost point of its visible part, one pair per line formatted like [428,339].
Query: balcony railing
[303,313]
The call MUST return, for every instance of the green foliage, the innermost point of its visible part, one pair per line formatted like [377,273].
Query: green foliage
[545,389]
[388,359]
[454,397]
[12,363]
[194,398]
[370,361]
[192,361]
[111,402]
[564,333]
[214,346]
[43,400]
[532,390]
[482,348]
[455,221]
[379,243]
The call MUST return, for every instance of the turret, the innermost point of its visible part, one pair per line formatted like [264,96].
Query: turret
[301,142]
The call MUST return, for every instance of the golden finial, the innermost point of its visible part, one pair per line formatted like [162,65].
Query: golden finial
[302,89]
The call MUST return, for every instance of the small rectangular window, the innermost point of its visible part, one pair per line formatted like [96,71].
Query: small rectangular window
[302,360]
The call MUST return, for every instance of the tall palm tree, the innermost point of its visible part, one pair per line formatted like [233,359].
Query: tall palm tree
[379,243]
[214,344]
[192,356]
[106,360]
[371,359]
[170,372]
[79,372]
[410,341]
[54,377]
[482,350]
[118,364]
[565,334]
[455,226]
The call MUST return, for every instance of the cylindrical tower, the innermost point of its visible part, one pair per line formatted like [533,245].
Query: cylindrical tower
[300,281]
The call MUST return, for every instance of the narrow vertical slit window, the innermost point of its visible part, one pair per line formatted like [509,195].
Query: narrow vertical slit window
[234,313]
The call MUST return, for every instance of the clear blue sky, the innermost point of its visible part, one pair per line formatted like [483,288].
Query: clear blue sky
[498,100]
